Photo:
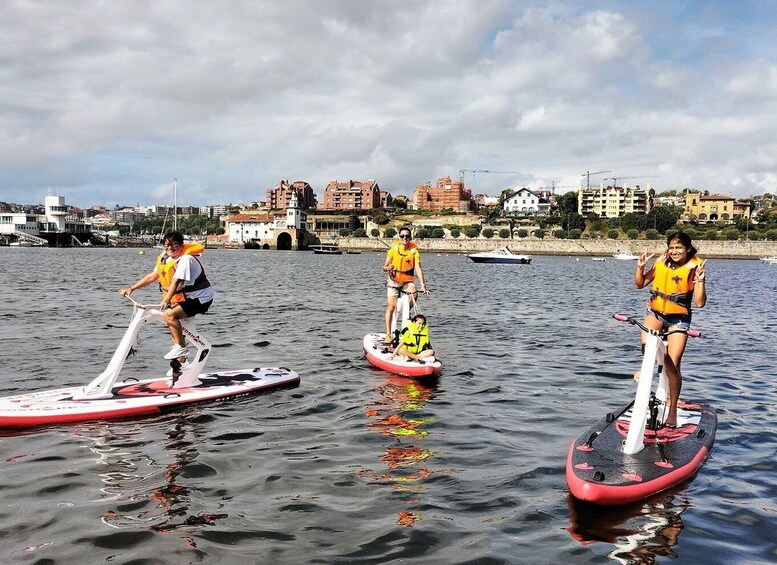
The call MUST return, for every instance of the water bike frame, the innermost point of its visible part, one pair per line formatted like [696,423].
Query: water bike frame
[652,365]
[401,314]
[101,387]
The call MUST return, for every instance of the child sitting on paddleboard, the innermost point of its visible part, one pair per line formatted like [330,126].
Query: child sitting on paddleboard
[414,340]
[678,282]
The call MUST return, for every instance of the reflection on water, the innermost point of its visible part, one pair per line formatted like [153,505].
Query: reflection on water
[147,492]
[640,532]
[396,415]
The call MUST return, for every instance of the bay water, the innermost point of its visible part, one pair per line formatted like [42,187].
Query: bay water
[359,466]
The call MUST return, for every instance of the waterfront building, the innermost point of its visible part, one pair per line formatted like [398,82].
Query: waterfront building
[400,198]
[524,202]
[351,195]
[714,208]
[386,199]
[56,225]
[446,194]
[486,200]
[278,198]
[286,229]
[613,201]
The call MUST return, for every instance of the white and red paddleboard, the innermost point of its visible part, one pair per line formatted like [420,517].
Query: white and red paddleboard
[136,398]
[379,355]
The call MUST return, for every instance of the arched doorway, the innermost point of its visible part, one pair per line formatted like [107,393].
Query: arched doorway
[284,241]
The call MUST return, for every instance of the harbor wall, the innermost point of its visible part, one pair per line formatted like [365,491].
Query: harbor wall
[570,247]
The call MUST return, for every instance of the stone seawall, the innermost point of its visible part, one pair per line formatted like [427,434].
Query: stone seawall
[574,247]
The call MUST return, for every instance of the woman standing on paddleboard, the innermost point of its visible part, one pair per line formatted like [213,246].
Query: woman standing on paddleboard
[678,282]
[403,263]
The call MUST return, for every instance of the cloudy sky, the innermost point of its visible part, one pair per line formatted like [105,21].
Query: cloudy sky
[105,102]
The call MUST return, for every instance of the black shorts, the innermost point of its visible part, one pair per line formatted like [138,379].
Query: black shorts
[193,306]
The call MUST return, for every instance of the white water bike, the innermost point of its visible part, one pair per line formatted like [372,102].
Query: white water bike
[105,397]
[380,354]
[631,455]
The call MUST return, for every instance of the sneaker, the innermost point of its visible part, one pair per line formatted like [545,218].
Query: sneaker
[177,351]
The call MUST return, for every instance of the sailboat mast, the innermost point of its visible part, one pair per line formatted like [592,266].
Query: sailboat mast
[175,203]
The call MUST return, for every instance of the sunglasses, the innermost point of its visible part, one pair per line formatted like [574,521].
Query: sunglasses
[404,236]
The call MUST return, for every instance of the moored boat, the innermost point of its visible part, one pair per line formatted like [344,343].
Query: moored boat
[500,255]
[625,256]
[327,249]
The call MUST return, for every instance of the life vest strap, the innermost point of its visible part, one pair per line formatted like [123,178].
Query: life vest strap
[680,298]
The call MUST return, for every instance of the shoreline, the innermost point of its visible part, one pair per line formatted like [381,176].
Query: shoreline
[606,248]
[713,249]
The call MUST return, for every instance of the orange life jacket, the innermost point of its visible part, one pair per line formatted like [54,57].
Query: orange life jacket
[403,262]
[165,266]
[672,290]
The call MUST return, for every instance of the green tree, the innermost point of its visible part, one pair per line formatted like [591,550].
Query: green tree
[389,233]
[630,221]
[374,232]
[360,232]
[632,234]
[437,233]
[522,233]
[471,232]
[567,203]
[613,234]
[575,233]
[488,233]
[540,233]
[652,234]
[379,216]
[662,218]
[344,232]
[504,233]
[421,233]
[731,234]
[559,234]
[455,233]
[712,235]
[771,235]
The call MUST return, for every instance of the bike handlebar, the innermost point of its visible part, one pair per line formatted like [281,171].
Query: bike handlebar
[660,333]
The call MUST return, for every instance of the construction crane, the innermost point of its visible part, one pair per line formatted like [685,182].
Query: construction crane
[587,176]
[616,179]
[462,172]
[553,186]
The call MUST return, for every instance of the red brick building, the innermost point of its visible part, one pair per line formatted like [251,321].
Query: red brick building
[278,197]
[447,194]
[351,195]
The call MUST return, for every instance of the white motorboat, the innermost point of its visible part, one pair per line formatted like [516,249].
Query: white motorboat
[770,260]
[625,256]
[500,255]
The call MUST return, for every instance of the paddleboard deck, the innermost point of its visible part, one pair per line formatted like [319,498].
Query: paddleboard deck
[598,471]
[379,355]
[136,398]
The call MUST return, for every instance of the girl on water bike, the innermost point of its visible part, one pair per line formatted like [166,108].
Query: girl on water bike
[678,282]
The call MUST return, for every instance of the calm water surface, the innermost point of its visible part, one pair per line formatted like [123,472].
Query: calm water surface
[356,465]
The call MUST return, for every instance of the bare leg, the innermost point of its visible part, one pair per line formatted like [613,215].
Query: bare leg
[675,348]
[391,304]
[173,318]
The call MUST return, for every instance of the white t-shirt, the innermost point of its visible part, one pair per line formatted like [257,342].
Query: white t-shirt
[187,270]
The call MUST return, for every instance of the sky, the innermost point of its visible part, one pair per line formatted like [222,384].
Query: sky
[106,102]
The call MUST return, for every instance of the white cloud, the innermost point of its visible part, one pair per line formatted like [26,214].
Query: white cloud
[107,102]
